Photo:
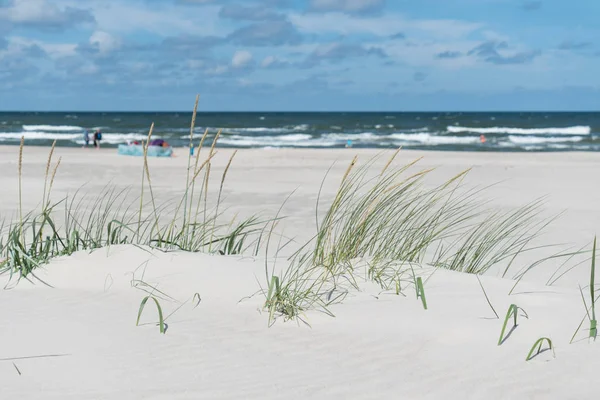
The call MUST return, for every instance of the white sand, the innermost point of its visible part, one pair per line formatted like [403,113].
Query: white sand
[378,346]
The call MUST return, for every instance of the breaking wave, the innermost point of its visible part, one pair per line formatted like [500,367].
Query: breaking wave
[571,130]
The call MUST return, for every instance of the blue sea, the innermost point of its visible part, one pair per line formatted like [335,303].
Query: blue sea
[456,131]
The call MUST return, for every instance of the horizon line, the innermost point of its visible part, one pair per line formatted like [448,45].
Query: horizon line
[300,111]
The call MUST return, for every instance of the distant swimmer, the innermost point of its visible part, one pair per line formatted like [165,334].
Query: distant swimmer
[97,138]
[86,137]
[482,138]
[349,144]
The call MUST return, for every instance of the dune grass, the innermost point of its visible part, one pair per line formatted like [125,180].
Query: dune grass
[593,331]
[117,217]
[391,220]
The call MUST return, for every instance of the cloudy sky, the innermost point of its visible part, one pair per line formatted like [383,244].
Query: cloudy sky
[300,55]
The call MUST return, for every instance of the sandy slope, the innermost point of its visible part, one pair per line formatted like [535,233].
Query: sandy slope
[379,345]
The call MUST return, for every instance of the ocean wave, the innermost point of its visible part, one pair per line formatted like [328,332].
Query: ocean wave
[39,136]
[412,135]
[282,129]
[541,140]
[297,140]
[52,128]
[357,137]
[426,138]
[571,130]
[110,138]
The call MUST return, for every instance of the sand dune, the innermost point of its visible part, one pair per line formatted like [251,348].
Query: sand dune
[83,341]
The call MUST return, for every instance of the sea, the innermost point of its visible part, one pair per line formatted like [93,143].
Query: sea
[445,131]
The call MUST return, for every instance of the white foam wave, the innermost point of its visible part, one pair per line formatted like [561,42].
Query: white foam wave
[571,130]
[358,137]
[413,135]
[541,140]
[40,136]
[52,128]
[426,138]
[297,140]
[111,138]
[283,129]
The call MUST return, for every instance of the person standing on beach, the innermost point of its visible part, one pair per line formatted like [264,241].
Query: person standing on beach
[86,137]
[97,138]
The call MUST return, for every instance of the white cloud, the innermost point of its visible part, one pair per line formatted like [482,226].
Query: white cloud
[385,25]
[269,60]
[218,70]
[346,5]
[88,69]
[241,59]
[105,42]
[155,18]
[17,45]
[195,64]
[30,11]
[44,13]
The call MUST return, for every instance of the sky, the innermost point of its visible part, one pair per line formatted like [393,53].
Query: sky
[292,55]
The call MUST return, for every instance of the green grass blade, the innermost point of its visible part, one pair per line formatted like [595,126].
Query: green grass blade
[421,292]
[161,321]
[512,311]
[539,344]
[486,297]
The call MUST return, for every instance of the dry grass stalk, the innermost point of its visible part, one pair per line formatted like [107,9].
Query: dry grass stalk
[20,186]
[144,147]
[200,145]
[53,175]
[390,161]
[220,192]
[44,200]
[187,179]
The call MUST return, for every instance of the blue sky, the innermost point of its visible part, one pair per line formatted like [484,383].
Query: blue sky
[323,55]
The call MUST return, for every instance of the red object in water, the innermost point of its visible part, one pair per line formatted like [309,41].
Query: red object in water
[482,139]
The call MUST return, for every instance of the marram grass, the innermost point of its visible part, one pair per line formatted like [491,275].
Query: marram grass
[112,217]
[391,221]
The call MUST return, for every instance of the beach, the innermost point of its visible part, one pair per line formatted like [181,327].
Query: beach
[76,337]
